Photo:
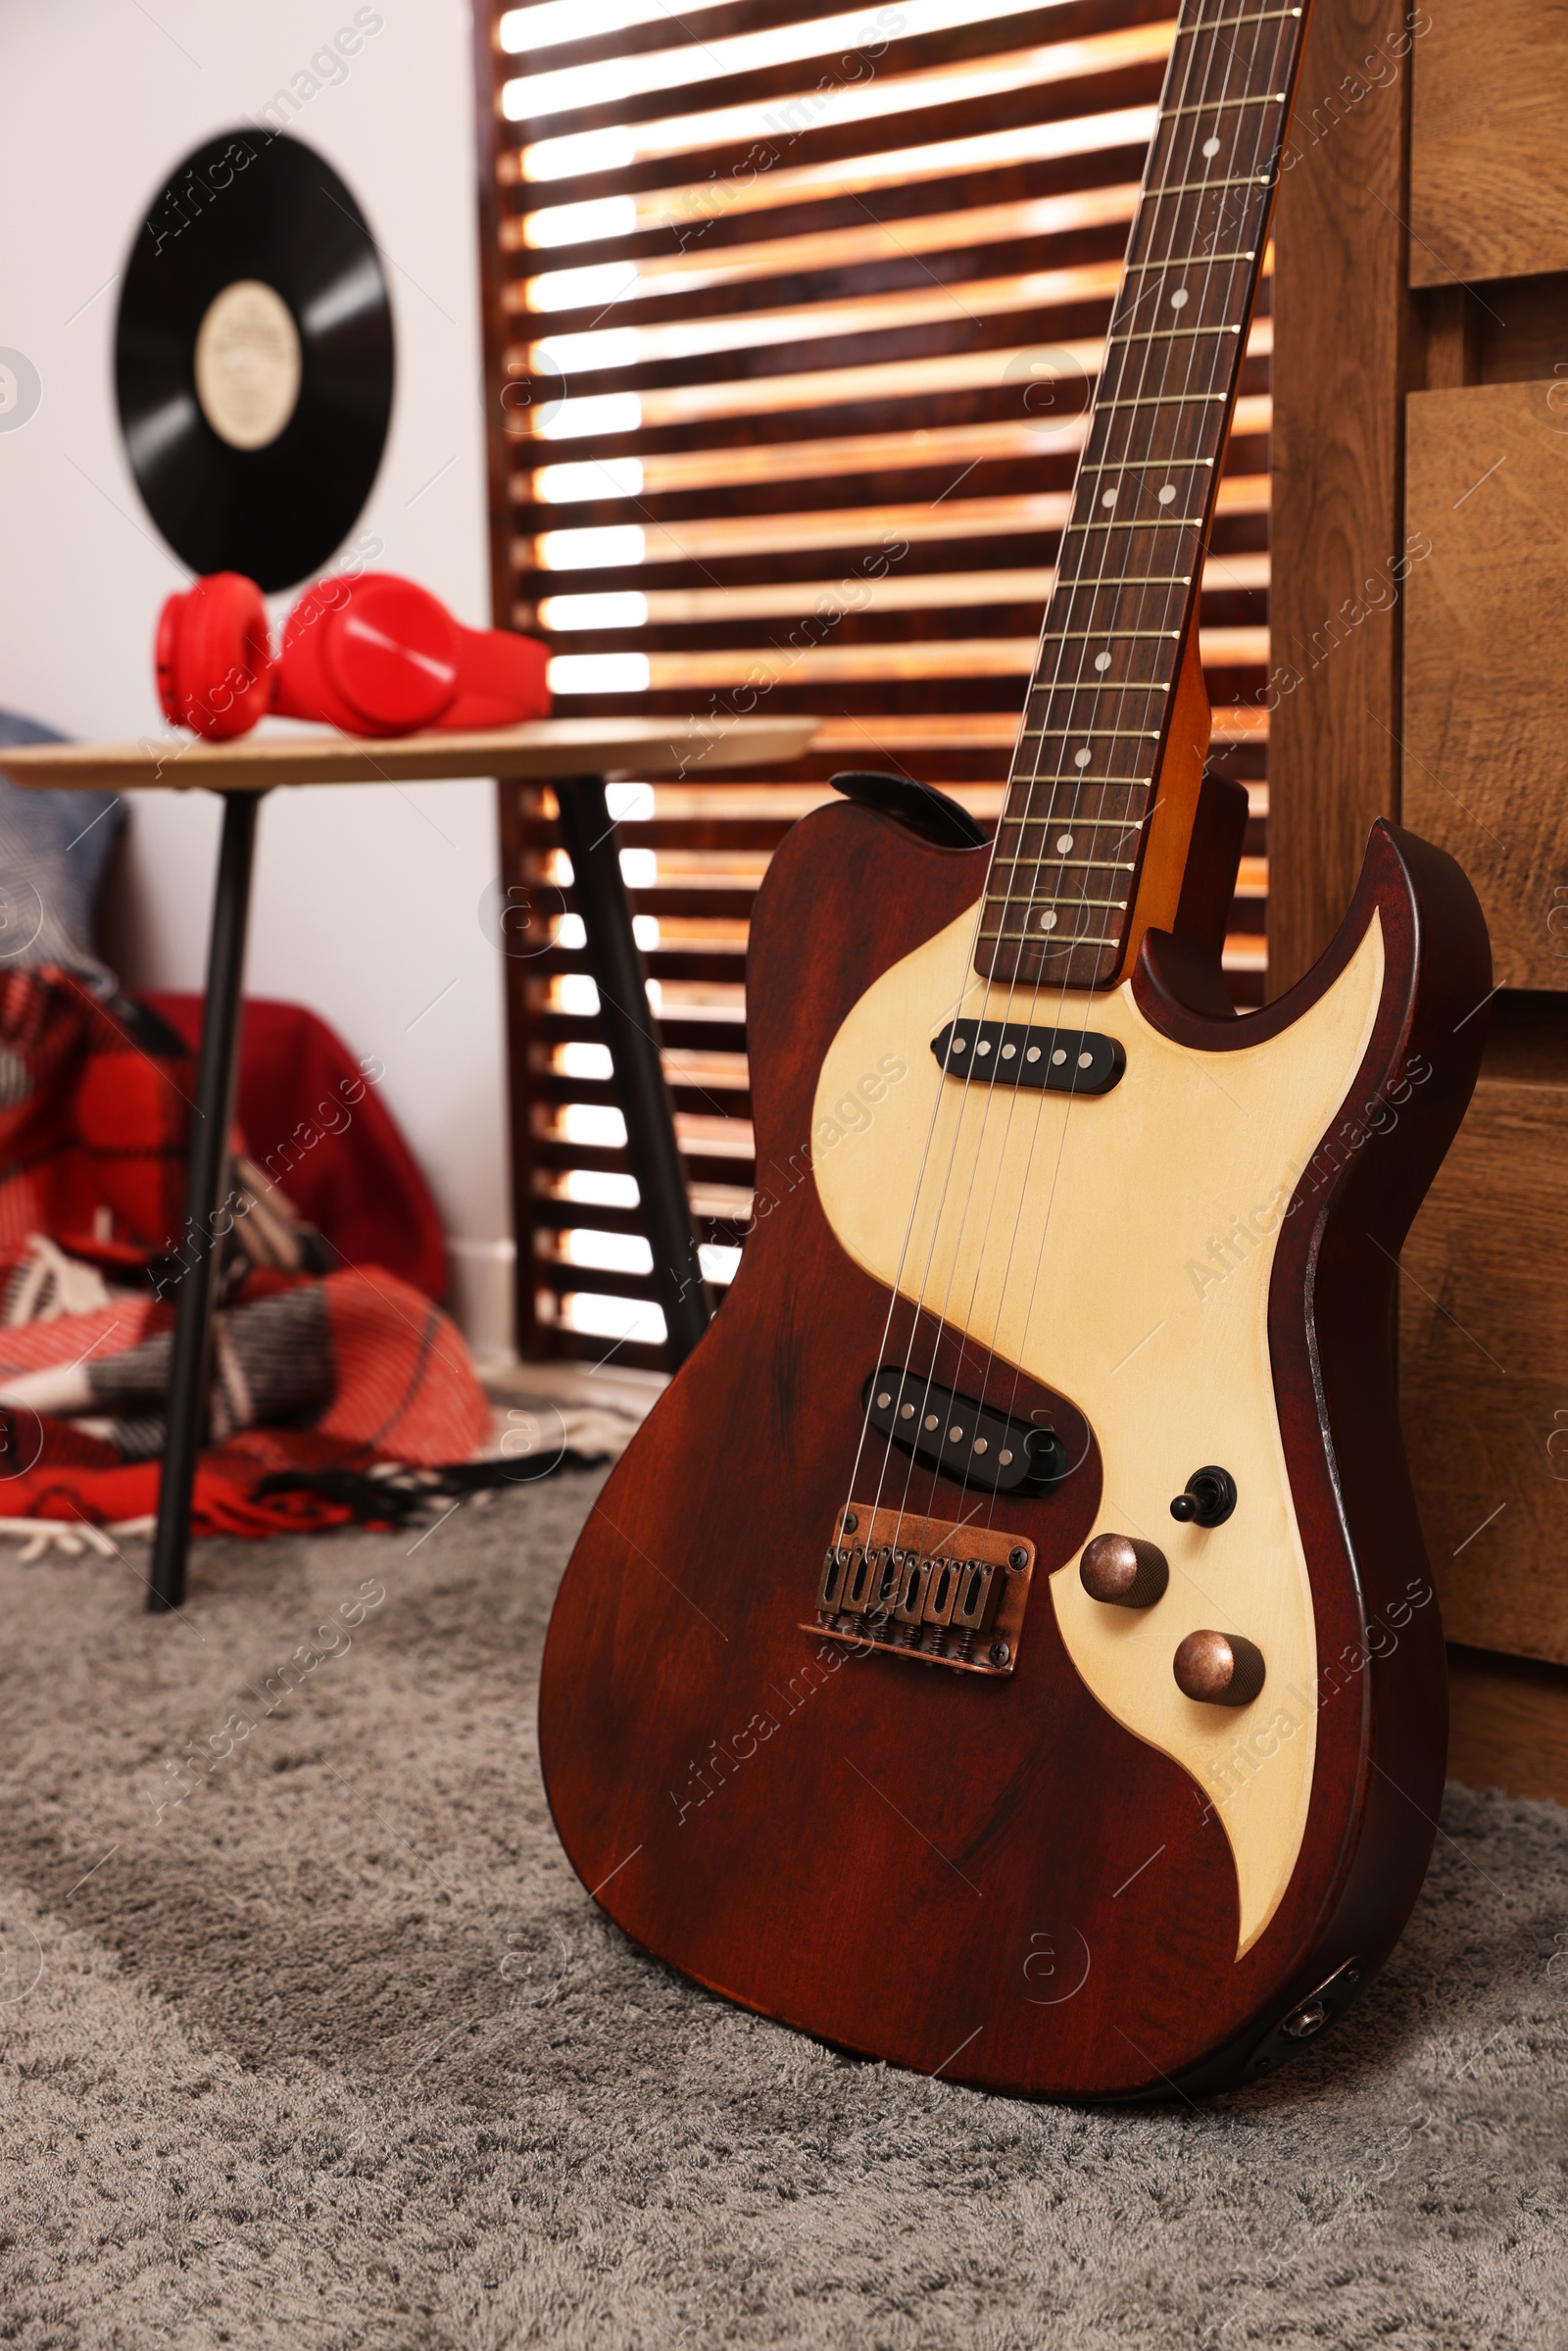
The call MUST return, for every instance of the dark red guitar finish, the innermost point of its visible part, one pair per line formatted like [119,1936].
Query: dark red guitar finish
[992,1879]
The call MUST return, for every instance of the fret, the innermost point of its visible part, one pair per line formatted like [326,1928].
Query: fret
[1122,464]
[1080,783]
[1073,904]
[1169,335]
[1066,939]
[1073,864]
[1217,105]
[1149,522]
[1219,228]
[1126,827]
[1161,400]
[1206,188]
[1125,579]
[1180,260]
[1269,16]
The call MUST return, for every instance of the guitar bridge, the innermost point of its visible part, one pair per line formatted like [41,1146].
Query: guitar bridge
[925,1587]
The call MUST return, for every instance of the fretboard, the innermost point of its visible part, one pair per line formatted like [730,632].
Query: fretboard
[1128,571]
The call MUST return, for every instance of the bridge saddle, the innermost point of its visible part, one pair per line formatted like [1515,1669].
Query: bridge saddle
[940,1591]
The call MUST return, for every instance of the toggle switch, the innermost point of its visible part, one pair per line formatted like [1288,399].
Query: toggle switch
[1207,1498]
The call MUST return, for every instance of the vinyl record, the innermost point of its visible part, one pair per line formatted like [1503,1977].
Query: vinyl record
[253,360]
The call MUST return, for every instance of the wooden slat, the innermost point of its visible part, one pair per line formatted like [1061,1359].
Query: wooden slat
[653,275]
[666,470]
[683,209]
[572,154]
[1341,322]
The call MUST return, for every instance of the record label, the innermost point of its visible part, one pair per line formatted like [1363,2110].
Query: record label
[254,358]
[247,365]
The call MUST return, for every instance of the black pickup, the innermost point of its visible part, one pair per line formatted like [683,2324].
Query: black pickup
[1008,1052]
[970,1441]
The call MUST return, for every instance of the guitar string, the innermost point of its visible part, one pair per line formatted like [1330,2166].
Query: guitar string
[1063,702]
[1137,468]
[1281,72]
[917,1301]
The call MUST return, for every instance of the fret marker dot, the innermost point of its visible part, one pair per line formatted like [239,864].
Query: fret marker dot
[1081,758]
[1102,660]
[1211,146]
[1048,922]
[1109,498]
[1180,299]
[1168,493]
[1063,844]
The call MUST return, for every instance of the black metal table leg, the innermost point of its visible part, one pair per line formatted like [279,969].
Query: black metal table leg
[216,1069]
[632,1032]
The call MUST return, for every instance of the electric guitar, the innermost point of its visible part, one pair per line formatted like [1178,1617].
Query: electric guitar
[1007,1648]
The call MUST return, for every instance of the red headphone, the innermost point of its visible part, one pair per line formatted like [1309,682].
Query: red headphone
[374,655]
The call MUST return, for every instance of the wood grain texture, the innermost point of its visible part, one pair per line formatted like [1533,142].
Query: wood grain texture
[543,748]
[885,1854]
[1486,687]
[1489,169]
[1342,327]
[1508,1724]
[1483,1357]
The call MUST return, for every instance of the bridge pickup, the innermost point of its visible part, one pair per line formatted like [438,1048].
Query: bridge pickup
[985,1449]
[1008,1052]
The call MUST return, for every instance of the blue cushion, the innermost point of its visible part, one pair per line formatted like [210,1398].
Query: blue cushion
[53,849]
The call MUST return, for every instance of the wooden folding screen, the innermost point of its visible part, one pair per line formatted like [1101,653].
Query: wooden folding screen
[794,316]
[1421,523]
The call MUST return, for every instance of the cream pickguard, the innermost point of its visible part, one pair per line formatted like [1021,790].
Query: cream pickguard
[1118,1250]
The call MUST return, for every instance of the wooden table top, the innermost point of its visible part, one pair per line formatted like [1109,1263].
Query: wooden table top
[546,748]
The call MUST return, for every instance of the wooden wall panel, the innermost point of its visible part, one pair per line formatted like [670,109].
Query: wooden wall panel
[1340,336]
[1483,1352]
[1489,162]
[1486,680]
[1508,1723]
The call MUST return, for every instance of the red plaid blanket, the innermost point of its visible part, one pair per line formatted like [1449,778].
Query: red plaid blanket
[313,1372]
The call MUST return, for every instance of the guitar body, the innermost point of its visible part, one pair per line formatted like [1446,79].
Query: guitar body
[1062,1876]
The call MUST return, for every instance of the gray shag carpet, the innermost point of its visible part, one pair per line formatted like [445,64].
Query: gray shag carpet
[329,2047]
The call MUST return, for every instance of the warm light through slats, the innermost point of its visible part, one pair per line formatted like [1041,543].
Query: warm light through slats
[687,469]
[717,198]
[716,536]
[814,321]
[925,591]
[860,33]
[872,100]
[668,273]
[764,395]
[766,665]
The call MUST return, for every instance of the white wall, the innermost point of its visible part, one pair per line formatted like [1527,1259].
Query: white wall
[367,900]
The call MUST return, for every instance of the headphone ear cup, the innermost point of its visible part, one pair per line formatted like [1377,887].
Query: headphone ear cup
[375,656]
[214,657]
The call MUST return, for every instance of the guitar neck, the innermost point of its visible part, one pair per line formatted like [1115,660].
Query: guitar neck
[1069,852]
